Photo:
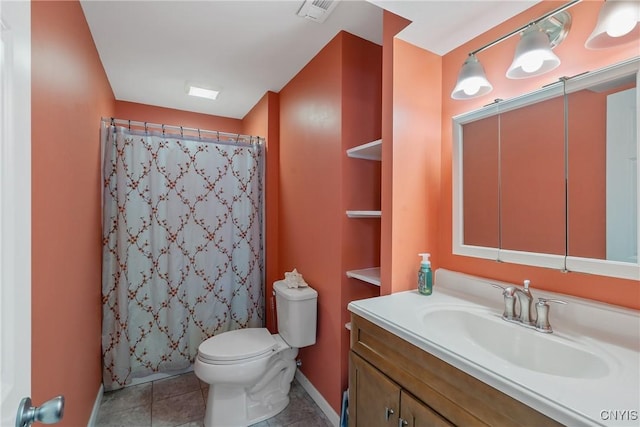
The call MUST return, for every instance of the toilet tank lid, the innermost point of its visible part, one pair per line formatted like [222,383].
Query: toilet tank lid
[294,294]
[237,345]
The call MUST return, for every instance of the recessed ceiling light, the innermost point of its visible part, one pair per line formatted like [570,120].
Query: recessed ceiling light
[202,92]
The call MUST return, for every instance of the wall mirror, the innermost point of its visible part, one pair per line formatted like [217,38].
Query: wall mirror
[550,178]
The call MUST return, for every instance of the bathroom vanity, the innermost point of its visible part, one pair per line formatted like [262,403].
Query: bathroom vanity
[450,359]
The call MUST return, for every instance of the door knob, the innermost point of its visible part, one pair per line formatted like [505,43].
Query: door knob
[49,412]
[387,413]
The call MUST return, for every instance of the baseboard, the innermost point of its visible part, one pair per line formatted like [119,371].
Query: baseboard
[96,407]
[332,415]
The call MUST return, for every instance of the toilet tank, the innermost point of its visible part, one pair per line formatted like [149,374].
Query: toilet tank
[297,310]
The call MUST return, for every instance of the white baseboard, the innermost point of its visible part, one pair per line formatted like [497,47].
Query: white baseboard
[332,415]
[96,407]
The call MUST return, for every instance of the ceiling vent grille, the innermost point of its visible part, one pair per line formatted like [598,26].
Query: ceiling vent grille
[317,10]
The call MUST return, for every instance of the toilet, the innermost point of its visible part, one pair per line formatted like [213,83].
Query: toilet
[249,371]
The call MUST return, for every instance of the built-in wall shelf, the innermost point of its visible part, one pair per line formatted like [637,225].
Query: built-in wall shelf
[364,214]
[369,275]
[369,151]
[347,326]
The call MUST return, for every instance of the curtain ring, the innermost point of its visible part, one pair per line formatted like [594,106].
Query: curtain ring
[181,134]
[129,124]
[113,122]
[162,130]
[218,135]
[199,137]
[145,128]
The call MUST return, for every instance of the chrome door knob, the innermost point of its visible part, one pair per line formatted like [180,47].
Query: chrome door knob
[49,412]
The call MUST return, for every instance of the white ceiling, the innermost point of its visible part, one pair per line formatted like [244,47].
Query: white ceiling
[151,50]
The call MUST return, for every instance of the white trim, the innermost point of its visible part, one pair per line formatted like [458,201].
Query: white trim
[332,415]
[15,207]
[93,419]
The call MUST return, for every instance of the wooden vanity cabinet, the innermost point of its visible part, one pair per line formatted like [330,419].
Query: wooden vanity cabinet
[394,383]
[381,402]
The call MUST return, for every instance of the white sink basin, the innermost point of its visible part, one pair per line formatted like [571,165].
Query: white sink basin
[517,345]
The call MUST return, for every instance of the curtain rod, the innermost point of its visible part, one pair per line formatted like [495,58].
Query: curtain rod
[534,22]
[146,126]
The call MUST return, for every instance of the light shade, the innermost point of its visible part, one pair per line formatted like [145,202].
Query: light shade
[472,80]
[618,23]
[202,92]
[533,55]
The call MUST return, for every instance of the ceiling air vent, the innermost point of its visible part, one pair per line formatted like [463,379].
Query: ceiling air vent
[317,10]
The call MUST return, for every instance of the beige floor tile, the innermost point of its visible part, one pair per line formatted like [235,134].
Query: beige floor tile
[180,402]
[139,416]
[178,410]
[128,397]
[174,386]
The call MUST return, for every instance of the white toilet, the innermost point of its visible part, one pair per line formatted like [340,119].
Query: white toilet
[249,371]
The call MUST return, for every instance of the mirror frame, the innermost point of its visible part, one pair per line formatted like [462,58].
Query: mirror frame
[560,262]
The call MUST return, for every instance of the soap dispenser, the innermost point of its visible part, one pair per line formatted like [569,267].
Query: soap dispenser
[425,276]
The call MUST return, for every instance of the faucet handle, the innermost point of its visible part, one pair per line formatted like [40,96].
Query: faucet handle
[542,311]
[509,301]
[546,300]
[508,291]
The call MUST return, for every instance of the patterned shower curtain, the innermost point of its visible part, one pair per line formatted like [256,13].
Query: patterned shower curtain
[182,248]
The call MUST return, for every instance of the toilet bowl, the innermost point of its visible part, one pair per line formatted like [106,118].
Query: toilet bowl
[249,371]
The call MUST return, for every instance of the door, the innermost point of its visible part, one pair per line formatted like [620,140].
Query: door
[622,177]
[414,413]
[15,207]
[377,398]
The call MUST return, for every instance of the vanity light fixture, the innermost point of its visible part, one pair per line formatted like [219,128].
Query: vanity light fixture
[533,55]
[618,23]
[202,92]
[472,80]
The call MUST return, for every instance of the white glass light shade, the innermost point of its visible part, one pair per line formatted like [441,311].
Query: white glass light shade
[618,23]
[472,80]
[533,55]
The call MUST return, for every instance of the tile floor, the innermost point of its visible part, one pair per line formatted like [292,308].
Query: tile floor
[179,401]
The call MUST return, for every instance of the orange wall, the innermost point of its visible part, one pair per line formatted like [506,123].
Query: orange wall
[329,106]
[575,59]
[310,205]
[168,116]
[70,93]
[264,120]
[481,183]
[412,151]
[532,191]
[361,179]
[588,172]
[391,25]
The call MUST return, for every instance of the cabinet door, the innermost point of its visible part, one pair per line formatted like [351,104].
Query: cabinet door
[375,399]
[414,413]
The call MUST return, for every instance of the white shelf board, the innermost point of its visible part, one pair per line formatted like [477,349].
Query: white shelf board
[348,326]
[369,151]
[364,214]
[369,275]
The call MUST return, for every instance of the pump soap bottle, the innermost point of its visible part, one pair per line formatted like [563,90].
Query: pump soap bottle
[425,277]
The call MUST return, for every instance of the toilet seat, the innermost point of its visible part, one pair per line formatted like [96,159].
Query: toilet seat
[237,346]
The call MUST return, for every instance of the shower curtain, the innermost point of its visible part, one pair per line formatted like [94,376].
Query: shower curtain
[182,248]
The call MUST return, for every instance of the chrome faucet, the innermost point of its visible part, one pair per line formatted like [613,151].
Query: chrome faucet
[525,299]
[525,304]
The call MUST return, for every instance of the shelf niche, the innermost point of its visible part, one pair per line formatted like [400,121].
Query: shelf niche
[369,151]
[368,275]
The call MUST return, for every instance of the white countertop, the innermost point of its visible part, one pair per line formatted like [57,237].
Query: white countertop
[612,333]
